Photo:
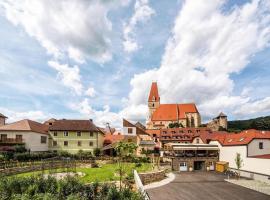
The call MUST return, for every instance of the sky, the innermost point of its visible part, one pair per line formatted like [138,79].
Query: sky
[90,59]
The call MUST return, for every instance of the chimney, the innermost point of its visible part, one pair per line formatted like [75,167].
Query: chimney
[2,119]
[91,120]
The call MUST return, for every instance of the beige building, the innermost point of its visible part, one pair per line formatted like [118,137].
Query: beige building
[74,135]
[33,135]
[161,115]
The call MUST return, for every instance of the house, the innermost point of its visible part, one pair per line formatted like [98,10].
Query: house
[218,123]
[181,135]
[33,135]
[74,135]
[143,140]
[254,148]
[130,133]
[2,119]
[161,115]
[191,156]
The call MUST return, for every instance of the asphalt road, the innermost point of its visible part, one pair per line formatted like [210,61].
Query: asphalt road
[203,186]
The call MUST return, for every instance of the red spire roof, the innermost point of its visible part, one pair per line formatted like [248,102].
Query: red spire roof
[153,96]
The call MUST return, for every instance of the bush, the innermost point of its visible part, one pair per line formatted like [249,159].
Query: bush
[97,152]
[40,188]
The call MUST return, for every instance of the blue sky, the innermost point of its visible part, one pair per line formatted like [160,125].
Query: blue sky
[99,61]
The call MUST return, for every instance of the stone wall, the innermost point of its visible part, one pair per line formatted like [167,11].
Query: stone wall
[151,177]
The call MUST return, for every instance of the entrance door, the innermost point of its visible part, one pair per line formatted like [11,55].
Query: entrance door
[198,165]
[211,166]
[183,167]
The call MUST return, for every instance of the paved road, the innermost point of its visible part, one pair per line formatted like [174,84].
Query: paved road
[203,186]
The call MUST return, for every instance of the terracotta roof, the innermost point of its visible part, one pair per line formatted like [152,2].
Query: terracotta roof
[110,139]
[153,96]
[173,112]
[26,125]
[74,125]
[2,116]
[242,138]
[265,156]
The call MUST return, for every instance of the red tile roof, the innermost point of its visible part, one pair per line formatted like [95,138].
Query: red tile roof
[265,156]
[242,138]
[110,139]
[173,112]
[26,125]
[154,96]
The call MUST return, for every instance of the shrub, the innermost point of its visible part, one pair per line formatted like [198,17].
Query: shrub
[97,152]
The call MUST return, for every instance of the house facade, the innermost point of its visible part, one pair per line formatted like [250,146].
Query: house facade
[74,135]
[254,149]
[161,115]
[33,135]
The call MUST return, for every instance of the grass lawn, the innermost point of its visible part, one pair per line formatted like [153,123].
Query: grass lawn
[105,173]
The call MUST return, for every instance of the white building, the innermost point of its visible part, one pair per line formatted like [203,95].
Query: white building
[32,134]
[254,148]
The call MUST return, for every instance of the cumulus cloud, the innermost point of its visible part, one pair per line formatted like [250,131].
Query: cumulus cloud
[70,76]
[142,13]
[207,45]
[100,117]
[78,29]
[91,92]
[17,115]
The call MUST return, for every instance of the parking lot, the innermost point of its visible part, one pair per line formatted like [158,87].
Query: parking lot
[203,186]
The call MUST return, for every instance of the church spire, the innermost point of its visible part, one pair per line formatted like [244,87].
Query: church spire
[153,96]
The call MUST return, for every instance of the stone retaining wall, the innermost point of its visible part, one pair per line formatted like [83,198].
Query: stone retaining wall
[151,177]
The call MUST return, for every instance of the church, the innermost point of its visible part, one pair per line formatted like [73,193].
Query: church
[161,115]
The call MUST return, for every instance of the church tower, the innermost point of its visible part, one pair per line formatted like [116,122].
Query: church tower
[153,99]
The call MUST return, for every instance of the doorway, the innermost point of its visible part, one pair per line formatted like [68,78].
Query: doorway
[199,165]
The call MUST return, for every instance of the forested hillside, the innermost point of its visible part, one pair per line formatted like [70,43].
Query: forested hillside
[260,123]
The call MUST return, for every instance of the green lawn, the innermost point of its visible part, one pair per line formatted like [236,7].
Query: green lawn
[107,172]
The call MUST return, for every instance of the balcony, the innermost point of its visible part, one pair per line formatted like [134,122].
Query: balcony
[11,141]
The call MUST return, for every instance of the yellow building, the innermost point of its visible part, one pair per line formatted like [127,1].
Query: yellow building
[74,135]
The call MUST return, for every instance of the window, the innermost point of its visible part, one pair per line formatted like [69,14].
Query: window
[65,143]
[54,143]
[90,144]
[65,133]
[50,123]
[197,140]
[55,133]
[260,145]
[91,134]
[43,139]
[79,143]
[79,134]
[130,130]
[18,138]
[129,140]
[183,164]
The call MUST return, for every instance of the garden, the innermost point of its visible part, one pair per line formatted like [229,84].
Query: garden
[77,176]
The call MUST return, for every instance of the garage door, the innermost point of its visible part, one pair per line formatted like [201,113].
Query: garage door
[183,167]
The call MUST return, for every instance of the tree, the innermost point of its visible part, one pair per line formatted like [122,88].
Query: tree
[97,152]
[239,162]
[124,150]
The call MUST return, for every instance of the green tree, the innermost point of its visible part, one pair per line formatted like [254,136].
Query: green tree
[124,150]
[239,162]
[97,152]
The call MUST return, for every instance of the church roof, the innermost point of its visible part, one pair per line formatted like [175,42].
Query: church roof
[173,112]
[153,92]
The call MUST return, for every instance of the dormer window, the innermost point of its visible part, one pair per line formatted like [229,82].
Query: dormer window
[230,140]
[154,98]
[241,139]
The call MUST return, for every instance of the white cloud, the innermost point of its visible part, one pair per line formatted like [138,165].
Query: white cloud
[207,45]
[142,13]
[79,29]
[91,92]
[253,108]
[13,115]
[100,117]
[70,76]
